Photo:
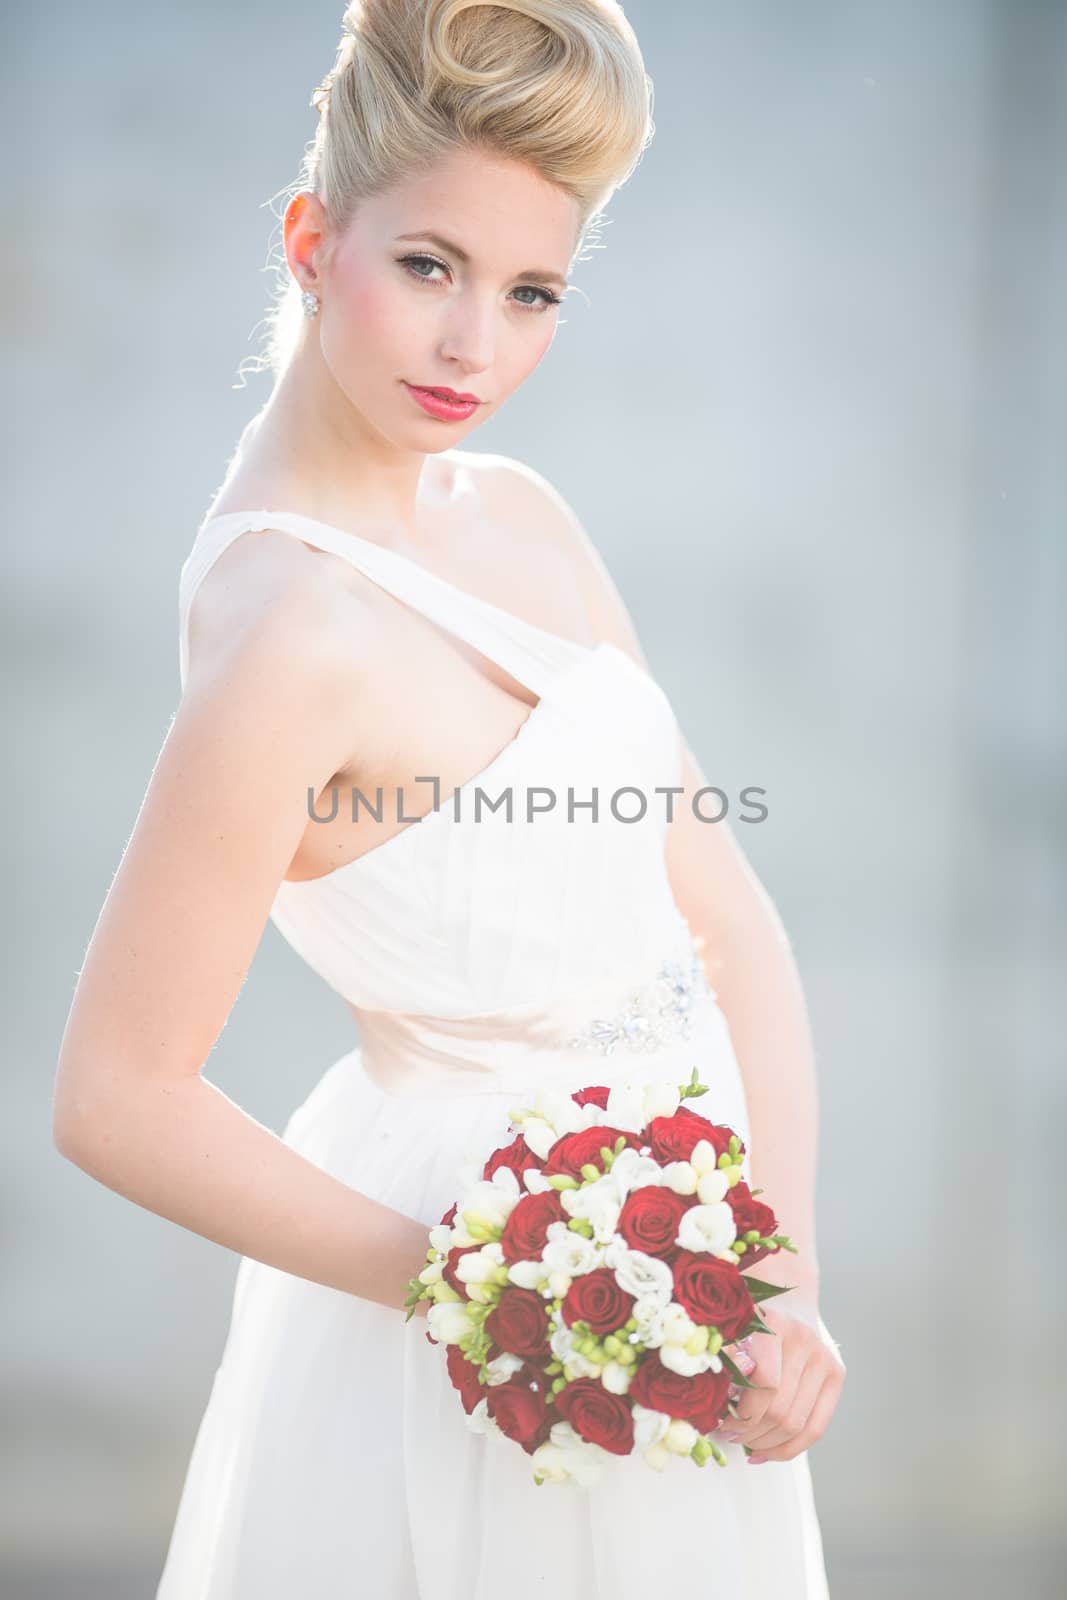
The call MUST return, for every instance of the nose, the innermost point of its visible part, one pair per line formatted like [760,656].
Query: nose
[467,341]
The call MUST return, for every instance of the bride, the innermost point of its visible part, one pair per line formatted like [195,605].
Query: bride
[370,609]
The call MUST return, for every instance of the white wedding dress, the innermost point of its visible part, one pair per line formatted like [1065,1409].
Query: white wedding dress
[485,956]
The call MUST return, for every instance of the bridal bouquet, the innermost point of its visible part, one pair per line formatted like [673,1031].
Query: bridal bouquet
[588,1281]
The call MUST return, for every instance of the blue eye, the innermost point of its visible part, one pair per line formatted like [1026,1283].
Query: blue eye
[546,297]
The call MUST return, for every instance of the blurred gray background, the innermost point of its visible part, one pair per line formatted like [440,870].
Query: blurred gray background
[825,464]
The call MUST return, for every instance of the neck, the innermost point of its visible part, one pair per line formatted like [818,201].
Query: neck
[310,450]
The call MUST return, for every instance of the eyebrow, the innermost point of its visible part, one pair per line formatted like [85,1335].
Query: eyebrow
[535,274]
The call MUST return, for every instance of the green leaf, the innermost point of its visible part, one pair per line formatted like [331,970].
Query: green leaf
[759,1290]
[738,1376]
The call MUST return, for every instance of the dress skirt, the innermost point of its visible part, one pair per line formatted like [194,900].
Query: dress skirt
[334,1459]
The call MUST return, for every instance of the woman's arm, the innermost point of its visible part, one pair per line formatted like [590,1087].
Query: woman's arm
[743,944]
[270,708]
[750,965]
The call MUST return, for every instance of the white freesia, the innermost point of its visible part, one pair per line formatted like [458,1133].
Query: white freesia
[649,1427]
[503,1367]
[639,1274]
[477,1271]
[536,1181]
[658,1457]
[489,1204]
[680,1437]
[631,1170]
[584,1461]
[616,1378]
[432,1272]
[679,1176]
[539,1135]
[554,1464]
[582,1202]
[703,1158]
[661,1100]
[684,1344]
[598,1203]
[479,1421]
[569,1253]
[632,1105]
[713,1186]
[561,1341]
[549,1462]
[648,1314]
[479,1266]
[677,1358]
[560,1110]
[448,1321]
[678,1326]
[441,1238]
[711,1228]
[580,1366]
[526,1274]
[626,1107]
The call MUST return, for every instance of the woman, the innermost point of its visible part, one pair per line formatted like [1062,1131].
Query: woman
[370,608]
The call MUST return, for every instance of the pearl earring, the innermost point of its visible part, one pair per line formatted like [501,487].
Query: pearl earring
[310,303]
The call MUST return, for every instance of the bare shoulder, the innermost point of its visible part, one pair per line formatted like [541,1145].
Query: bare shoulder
[528,501]
[525,497]
[270,595]
[278,638]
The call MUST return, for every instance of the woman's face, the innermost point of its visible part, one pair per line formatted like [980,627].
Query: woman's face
[450,281]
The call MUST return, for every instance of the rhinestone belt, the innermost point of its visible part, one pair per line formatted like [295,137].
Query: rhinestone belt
[653,1014]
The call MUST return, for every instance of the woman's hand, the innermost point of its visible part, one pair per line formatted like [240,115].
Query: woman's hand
[800,1375]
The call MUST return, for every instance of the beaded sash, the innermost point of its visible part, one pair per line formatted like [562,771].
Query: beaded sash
[653,1014]
[650,1023]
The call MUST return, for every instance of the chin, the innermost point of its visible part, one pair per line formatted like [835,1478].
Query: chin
[436,437]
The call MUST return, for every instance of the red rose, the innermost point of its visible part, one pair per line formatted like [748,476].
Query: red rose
[675,1138]
[450,1215]
[518,1323]
[711,1291]
[650,1217]
[464,1376]
[572,1151]
[597,1415]
[519,1409]
[526,1230]
[751,1213]
[517,1156]
[542,1432]
[596,1096]
[595,1297]
[708,1420]
[700,1400]
[448,1269]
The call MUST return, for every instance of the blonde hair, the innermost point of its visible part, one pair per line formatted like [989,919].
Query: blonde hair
[558,84]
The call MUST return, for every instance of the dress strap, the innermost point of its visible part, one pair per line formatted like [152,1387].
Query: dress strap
[530,655]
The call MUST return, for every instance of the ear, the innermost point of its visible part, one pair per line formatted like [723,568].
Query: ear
[306,231]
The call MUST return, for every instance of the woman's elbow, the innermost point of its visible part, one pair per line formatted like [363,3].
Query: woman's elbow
[85,1121]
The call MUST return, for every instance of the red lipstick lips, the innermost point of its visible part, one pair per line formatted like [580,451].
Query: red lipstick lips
[444,403]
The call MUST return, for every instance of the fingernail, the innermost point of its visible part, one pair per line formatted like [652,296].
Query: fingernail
[757,1460]
[733,1437]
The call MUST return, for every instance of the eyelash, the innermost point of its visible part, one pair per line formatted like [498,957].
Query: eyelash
[548,298]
